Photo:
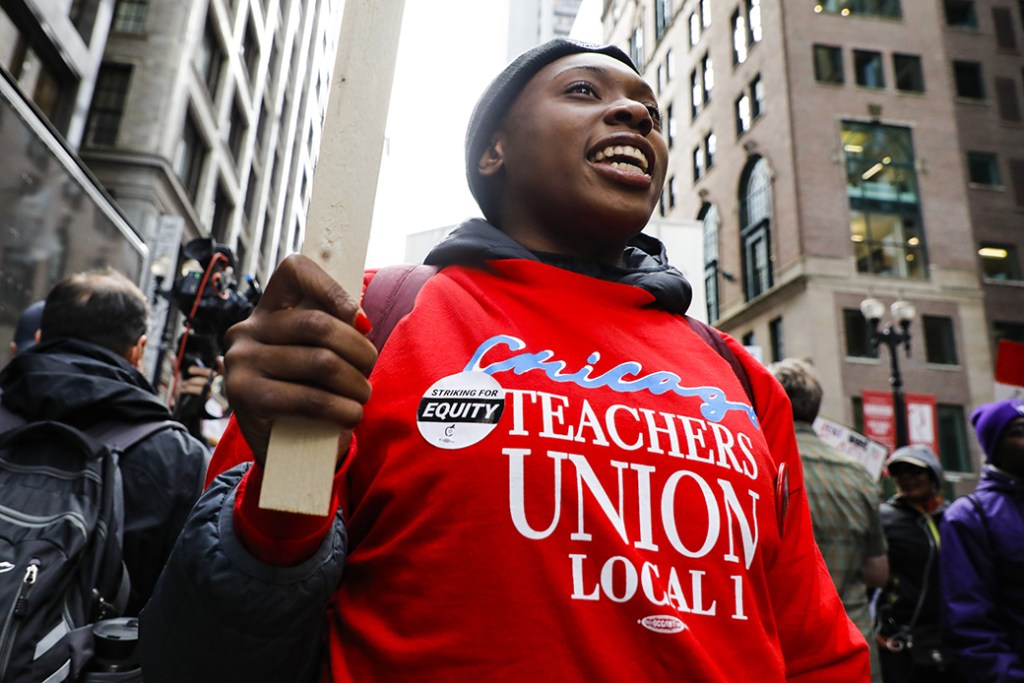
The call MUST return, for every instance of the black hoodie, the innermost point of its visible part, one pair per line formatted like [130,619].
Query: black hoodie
[82,384]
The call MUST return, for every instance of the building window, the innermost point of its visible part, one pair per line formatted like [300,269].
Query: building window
[672,192]
[969,83]
[999,262]
[636,47]
[222,209]
[707,71]
[909,75]
[82,14]
[108,102]
[983,169]
[130,16]
[710,147]
[867,66]
[960,13]
[696,94]
[776,340]
[756,97]
[705,13]
[755,228]
[670,126]
[875,8]
[828,64]
[939,340]
[881,185]
[709,219]
[1006,37]
[251,51]
[210,59]
[698,163]
[739,38]
[743,118]
[1009,331]
[236,132]
[1017,178]
[858,335]
[747,339]
[670,65]
[1006,99]
[695,27]
[754,20]
[662,17]
[952,438]
[189,157]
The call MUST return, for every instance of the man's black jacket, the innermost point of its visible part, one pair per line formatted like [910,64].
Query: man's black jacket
[83,384]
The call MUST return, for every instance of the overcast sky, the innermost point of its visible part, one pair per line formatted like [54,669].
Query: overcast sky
[448,52]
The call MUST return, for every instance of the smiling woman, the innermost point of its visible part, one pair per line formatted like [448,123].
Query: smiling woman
[549,447]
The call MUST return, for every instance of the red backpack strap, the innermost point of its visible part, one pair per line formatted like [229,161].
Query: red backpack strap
[389,297]
[713,338]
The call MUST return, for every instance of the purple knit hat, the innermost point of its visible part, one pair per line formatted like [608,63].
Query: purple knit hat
[992,419]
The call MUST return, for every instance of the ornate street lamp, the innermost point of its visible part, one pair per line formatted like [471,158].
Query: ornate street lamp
[893,335]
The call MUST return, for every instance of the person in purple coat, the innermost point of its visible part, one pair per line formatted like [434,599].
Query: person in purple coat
[983,554]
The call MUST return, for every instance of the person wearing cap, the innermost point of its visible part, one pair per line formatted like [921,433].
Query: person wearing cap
[908,608]
[983,554]
[26,331]
[555,477]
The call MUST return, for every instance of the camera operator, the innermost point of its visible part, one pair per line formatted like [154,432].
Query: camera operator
[208,295]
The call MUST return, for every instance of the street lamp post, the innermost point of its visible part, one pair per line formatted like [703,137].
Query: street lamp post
[894,334]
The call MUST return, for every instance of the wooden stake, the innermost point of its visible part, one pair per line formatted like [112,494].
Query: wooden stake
[301,454]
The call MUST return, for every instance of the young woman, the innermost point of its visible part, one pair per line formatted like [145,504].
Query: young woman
[555,477]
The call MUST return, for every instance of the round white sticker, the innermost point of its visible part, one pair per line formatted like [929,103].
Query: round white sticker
[460,410]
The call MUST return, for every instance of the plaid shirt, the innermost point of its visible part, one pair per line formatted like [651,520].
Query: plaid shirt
[844,512]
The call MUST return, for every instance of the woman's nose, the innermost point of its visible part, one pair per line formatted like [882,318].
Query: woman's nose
[633,114]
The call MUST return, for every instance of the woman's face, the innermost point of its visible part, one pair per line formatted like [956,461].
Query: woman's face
[580,158]
[912,483]
[1009,455]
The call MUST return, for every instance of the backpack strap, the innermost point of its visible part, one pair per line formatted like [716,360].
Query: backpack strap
[390,296]
[112,584]
[713,338]
[119,437]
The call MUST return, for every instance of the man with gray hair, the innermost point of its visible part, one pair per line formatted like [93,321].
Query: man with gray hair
[844,504]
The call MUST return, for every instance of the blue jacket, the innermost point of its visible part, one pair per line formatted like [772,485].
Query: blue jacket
[983,579]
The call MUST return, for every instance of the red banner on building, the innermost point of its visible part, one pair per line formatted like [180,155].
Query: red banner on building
[880,420]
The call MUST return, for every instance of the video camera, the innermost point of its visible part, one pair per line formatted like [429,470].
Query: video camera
[208,295]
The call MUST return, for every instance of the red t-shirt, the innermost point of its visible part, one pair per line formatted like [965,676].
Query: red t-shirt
[557,481]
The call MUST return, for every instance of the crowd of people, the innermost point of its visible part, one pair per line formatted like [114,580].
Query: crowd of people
[609,495]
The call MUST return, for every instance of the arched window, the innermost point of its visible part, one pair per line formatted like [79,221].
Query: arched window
[708,216]
[755,227]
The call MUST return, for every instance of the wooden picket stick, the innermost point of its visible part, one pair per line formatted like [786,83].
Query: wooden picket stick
[301,454]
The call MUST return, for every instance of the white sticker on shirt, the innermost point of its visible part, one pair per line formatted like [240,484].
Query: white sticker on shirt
[460,410]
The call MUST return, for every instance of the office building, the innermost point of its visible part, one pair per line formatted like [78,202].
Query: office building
[846,149]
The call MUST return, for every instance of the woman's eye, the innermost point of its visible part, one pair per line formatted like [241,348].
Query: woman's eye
[582,88]
[655,112]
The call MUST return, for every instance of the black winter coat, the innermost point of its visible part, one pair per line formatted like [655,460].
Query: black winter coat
[82,384]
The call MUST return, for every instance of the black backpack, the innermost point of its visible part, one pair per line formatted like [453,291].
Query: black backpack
[61,525]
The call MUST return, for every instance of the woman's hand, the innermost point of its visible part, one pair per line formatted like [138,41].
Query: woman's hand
[299,354]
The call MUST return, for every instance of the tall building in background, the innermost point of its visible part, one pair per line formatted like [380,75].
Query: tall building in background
[840,150]
[532,22]
[211,110]
[55,217]
[197,117]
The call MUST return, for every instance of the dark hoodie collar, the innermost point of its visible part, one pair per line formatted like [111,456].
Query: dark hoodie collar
[645,263]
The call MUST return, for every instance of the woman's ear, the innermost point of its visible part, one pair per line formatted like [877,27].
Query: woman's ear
[493,158]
